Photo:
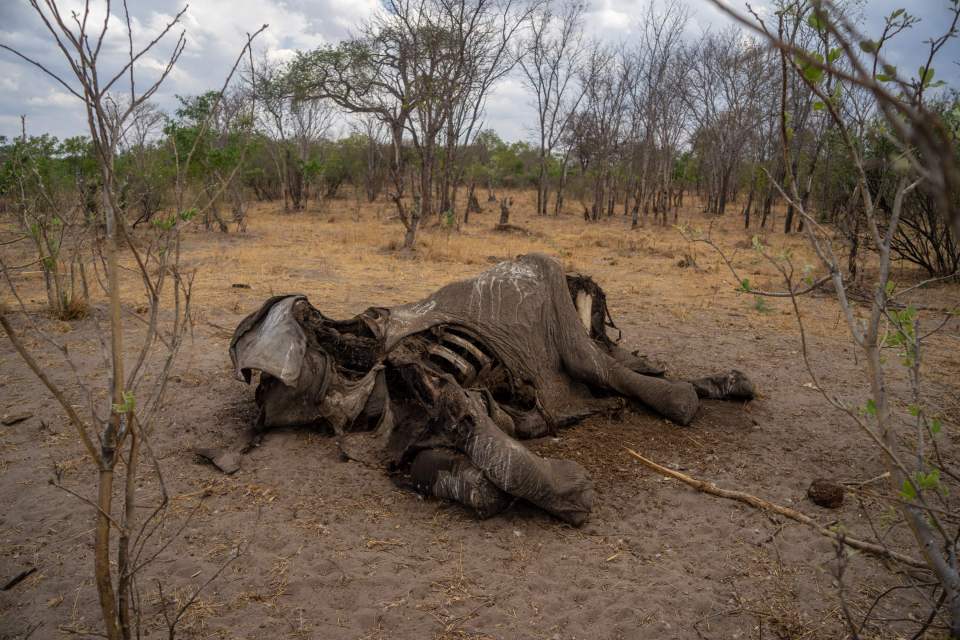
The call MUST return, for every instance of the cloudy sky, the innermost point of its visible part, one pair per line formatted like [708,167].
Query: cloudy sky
[215,32]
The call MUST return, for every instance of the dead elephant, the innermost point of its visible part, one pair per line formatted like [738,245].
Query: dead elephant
[441,391]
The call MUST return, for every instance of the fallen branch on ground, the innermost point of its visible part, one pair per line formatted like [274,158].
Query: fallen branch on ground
[759,503]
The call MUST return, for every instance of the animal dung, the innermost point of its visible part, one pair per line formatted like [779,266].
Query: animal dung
[825,493]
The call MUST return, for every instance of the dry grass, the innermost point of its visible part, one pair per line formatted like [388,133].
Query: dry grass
[347,259]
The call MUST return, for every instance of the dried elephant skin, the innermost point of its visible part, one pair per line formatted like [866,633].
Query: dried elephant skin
[440,391]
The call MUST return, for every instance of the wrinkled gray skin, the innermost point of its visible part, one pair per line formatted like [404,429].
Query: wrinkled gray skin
[440,391]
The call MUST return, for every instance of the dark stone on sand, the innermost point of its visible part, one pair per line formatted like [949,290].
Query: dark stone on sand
[825,493]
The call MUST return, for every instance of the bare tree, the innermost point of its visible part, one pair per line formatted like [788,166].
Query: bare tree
[424,69]
[123,430]
[659,109]
[550,56]
[601,126]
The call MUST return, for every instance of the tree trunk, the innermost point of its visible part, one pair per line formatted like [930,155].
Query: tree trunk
[104,579]
[749,205]
[563,183]
[542,186]
[788,221]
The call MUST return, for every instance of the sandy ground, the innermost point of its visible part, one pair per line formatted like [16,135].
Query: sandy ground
[332,549]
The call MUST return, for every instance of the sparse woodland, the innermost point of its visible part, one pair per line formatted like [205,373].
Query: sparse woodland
[782,159]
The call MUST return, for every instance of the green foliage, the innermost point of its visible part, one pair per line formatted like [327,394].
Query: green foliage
[817,19]
[923,481]
[760,305]
[935,426]
[889,73]
[129,403]
[217,146]
[903,333]
[810,66]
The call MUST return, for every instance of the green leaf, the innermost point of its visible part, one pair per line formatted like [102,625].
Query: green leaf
[930,480]
[834,55]
[745,285]
[891,285]
[896,14]
[914,410]
[819,106]
[935,426]
[908,492]
[893,340]
[868,46]
[811,71]
[129,403]
[871,408]
[817,20]
[926,76]
[761,306]
[890,70]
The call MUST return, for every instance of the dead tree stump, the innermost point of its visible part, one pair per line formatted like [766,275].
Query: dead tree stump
[505,211]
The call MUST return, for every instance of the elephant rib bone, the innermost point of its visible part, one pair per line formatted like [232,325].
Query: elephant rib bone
[467,371]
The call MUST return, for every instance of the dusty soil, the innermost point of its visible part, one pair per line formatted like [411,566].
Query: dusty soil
[331,549]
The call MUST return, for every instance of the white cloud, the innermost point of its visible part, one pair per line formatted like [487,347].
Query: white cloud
[54,98]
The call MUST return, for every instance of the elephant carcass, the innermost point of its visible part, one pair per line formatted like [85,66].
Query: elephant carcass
[443,389]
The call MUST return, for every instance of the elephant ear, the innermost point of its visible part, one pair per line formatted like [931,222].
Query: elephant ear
[270,340]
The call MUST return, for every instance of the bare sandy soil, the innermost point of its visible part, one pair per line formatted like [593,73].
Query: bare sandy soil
[332,549]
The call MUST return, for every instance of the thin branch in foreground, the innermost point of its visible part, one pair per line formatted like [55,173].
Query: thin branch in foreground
[764,505]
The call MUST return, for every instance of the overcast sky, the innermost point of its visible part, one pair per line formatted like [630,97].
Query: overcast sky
[215,32]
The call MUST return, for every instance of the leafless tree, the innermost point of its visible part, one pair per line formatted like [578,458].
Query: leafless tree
[601,125]
[423,68]
[122,431]
[549,57]
[659,109]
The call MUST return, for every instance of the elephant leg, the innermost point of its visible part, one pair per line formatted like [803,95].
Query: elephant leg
[673,399]
[734,385]
[450,475]
[560,487]
[461,420]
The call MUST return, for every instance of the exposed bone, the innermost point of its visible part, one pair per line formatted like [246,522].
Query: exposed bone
[482,359]
[467,372]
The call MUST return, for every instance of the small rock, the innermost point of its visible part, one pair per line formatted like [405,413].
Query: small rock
[825,493]
[15,418]
[225,460]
